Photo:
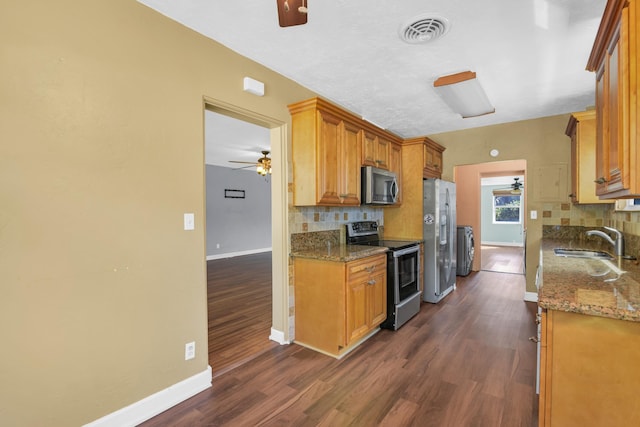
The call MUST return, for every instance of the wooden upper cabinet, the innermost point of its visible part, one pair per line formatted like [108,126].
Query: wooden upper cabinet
[432,157]
[326,154]
[405,220]
[375,150]
[614,60]
[582,131]
[329,146]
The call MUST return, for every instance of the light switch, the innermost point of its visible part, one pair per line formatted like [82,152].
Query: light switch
[189,221]
[534,214]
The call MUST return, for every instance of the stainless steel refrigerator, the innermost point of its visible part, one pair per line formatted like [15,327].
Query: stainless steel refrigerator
[439,230]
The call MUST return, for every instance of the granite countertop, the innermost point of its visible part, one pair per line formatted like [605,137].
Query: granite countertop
[339,252]
[588,286]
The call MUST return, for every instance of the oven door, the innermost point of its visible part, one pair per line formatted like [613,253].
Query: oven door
[406,271]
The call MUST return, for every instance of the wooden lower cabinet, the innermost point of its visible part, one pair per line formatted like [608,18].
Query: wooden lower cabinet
[589,371]
[339,303]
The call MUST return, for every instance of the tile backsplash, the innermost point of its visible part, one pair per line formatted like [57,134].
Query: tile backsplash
[303,219]
[565,220]
[591,216]
[576,215]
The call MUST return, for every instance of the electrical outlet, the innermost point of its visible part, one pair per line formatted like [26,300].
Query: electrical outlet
[217,245]
[189,350]
[534,214]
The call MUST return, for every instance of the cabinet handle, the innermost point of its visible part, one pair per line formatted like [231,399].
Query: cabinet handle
[600,180]
[371,282]
[538,319]
[370,268]
[344,196]
[534,339]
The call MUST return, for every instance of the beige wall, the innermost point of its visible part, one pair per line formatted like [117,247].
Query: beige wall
[101,153]
[541,143]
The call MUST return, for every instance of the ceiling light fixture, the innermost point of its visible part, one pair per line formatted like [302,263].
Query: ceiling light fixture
[464,95]
[263,167]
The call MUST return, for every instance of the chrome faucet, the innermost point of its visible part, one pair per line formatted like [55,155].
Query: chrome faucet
[618,243]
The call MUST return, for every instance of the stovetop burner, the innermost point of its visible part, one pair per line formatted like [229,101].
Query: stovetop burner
[366,233]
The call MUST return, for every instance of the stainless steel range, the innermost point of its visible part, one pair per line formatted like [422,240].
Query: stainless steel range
[403,271]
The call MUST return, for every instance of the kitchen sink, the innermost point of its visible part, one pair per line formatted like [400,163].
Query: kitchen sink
[582,253]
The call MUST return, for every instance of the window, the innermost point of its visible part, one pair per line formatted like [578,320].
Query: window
[627,205]
[506,209]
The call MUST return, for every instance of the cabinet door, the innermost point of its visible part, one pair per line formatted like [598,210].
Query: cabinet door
[366,296]
[357,322]
[582,131]
[437,161]
[615,107]
[329,140]
[432,162]
[369,143]
[382,153]
[574,168]
[544,399]
[602,155]
[616,81]
[349,164]
[377,297]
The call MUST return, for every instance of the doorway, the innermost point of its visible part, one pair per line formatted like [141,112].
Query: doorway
[273,264]
[468,180]
[502,223]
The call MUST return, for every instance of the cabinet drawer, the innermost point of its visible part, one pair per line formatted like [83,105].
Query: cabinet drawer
[370,266]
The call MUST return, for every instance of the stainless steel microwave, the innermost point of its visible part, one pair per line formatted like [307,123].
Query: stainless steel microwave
[379,187]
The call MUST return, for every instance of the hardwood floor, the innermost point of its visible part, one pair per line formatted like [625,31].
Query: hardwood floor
[502,259]
[239,308]
[466,361]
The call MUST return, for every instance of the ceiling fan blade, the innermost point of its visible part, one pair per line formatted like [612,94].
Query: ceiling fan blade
[244,167]
[247,163]
[291,12]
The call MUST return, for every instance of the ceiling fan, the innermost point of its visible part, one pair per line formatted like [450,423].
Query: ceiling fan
[514,189]
[262,165]
[516,186]
[292,12]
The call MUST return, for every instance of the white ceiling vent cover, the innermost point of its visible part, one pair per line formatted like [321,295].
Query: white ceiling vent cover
[424,28]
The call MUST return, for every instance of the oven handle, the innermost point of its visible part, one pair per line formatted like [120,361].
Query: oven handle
[406,251]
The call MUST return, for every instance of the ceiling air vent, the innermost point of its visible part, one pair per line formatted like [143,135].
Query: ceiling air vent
[423,29]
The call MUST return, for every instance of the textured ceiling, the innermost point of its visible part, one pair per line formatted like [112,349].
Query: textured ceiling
[529,55]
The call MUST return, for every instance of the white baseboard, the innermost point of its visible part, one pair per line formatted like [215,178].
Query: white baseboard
[240,253]
[151,406]
[531,296]
[516,244]
[278,336]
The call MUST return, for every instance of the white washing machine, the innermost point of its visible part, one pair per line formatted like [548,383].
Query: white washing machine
[465,250]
